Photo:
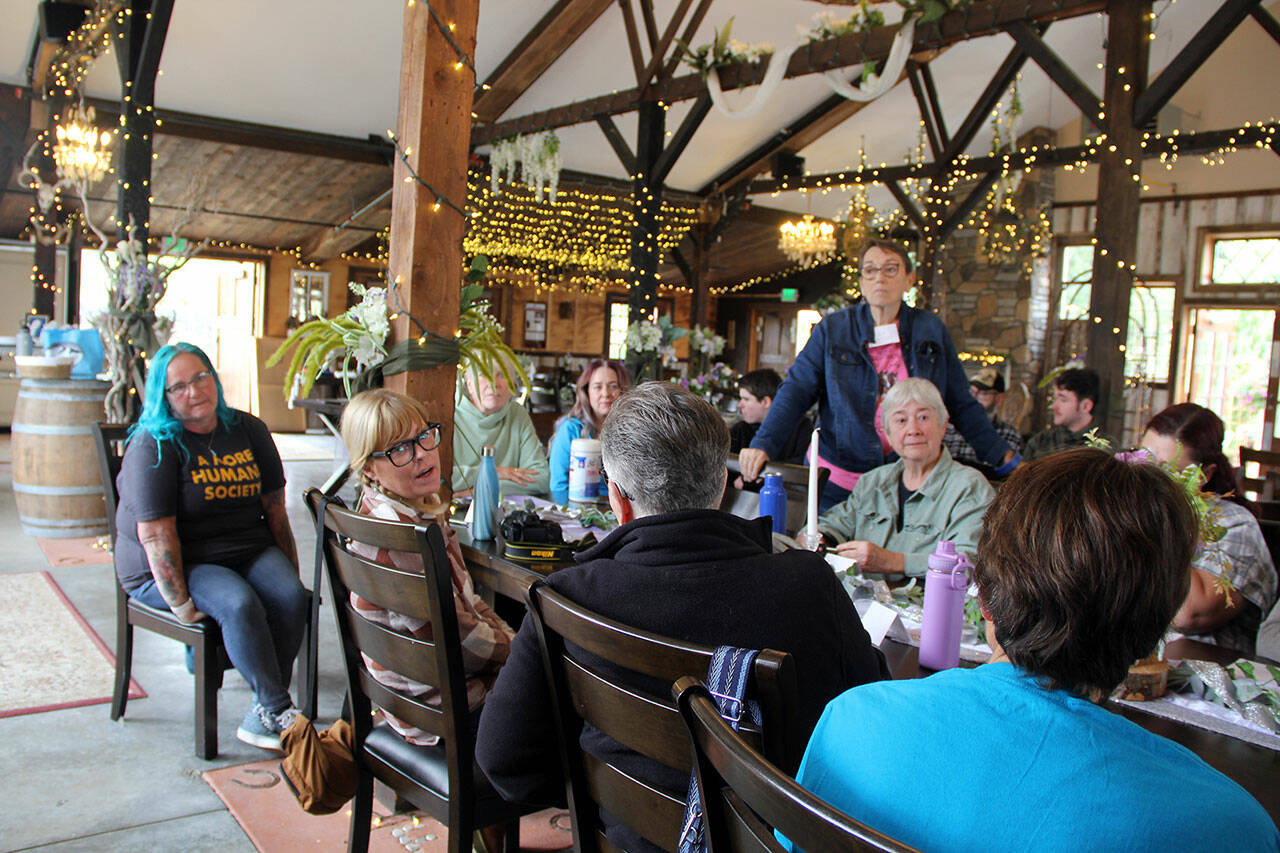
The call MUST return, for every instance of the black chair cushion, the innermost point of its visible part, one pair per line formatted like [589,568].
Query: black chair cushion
[426,765]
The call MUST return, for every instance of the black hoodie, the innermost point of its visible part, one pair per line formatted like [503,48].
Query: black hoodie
[698,575]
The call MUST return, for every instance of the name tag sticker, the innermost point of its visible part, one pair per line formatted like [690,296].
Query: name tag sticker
[886,334]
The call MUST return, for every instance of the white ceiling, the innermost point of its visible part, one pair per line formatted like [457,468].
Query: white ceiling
[332,66]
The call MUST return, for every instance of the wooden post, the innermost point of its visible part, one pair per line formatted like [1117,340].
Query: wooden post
[1119,163]
[699,263]
[71,278]
[645,253]
[139,42]
[434,128]
[45,279]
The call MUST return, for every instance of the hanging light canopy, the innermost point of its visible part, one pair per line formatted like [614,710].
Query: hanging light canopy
[807,241]
[80,150]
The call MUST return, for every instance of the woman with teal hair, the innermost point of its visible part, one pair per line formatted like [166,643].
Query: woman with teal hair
[201,529]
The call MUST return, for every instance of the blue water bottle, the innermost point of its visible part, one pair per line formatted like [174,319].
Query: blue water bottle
[773,502]
[484,509]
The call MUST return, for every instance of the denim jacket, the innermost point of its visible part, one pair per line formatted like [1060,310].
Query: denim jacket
[834,369]
[948,505]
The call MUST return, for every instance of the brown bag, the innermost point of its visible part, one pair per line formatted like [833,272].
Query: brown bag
[320,768]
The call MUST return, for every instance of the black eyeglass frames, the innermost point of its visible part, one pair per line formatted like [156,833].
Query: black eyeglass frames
[400,454]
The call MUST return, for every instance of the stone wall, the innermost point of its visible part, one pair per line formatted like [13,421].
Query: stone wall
[1001,309]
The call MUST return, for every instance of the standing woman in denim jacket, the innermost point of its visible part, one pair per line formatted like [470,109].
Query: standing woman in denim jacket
[852,358]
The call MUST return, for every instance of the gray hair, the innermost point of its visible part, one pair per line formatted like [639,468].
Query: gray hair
[666,448]
[913,390]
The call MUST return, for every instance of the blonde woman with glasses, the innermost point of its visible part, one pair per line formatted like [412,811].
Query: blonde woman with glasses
[393,447]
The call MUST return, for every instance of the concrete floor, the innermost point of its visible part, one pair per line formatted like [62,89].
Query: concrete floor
[75,780]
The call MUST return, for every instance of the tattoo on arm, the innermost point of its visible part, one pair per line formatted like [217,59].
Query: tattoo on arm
[159,540]
[273,507]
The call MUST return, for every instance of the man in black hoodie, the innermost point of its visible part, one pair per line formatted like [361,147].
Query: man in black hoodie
[680,568]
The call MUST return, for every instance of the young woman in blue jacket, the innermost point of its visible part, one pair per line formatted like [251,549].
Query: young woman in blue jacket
[852,358]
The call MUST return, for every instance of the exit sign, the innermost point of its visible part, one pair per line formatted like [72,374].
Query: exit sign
[790,294]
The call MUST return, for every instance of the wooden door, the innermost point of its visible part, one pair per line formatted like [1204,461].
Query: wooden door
[236,352]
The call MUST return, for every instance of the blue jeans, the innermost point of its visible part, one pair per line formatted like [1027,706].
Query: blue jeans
[261,608]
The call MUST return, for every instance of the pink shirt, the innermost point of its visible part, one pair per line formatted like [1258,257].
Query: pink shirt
[890,369]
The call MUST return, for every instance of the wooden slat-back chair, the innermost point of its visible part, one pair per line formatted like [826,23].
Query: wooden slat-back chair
[648,724]
[745,797]
[441,780]
[1262,486]
[795,479]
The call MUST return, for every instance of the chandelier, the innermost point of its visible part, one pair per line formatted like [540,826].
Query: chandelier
[808,242]
[80,150]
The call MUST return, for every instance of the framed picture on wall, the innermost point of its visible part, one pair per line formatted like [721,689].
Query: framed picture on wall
[535,324]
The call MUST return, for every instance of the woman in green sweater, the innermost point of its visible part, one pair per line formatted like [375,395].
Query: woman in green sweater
[484,413]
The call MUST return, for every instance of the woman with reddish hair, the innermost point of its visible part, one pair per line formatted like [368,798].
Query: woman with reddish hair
[1188,434]
[602,381]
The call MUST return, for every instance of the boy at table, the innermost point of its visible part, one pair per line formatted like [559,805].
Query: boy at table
[678,567]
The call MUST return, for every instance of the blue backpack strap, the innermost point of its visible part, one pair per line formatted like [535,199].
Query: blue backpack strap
[727,679]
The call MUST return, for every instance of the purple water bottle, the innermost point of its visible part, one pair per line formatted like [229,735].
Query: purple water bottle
[944,590]
[773,502]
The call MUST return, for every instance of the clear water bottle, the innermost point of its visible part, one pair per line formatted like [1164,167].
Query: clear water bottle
[945,585]
[773,502]
[484,509]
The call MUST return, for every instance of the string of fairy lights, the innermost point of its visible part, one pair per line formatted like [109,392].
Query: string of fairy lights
[73,58]
[584,241]
[582,231]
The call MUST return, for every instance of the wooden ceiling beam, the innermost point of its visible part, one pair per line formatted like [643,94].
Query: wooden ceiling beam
[232,132]
[329,241]
[939,121]
[975,197]
[650,24]
[987,101]
[633,38]
[927,110]
[15,123]
[55,21]
[1059,72]
[1267,21]
[559,28]
[908,206]
[1183,144]
[680,139]
[618,143]
[695,21]
[656,59]
[980,19]
[795,137]
[1193,54]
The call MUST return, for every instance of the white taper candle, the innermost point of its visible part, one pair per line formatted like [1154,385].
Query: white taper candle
[811,527]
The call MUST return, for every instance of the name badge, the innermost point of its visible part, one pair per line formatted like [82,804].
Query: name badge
[886,334]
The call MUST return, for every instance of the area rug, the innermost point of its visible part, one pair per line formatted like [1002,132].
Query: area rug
[268,813]
[83,551]
[50,658]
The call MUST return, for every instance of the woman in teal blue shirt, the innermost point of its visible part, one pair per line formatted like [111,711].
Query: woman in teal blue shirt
[1082,564]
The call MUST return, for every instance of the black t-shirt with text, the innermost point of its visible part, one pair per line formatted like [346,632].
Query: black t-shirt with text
[214,489]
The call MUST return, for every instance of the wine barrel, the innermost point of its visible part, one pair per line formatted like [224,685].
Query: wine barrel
[55,465]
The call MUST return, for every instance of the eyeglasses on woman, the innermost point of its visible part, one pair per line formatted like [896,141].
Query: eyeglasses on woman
[401,453]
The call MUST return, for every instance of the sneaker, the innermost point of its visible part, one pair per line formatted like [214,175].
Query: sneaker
[285,718]
[259,729]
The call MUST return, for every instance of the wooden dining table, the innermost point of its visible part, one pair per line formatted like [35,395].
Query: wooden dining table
[1254,768]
